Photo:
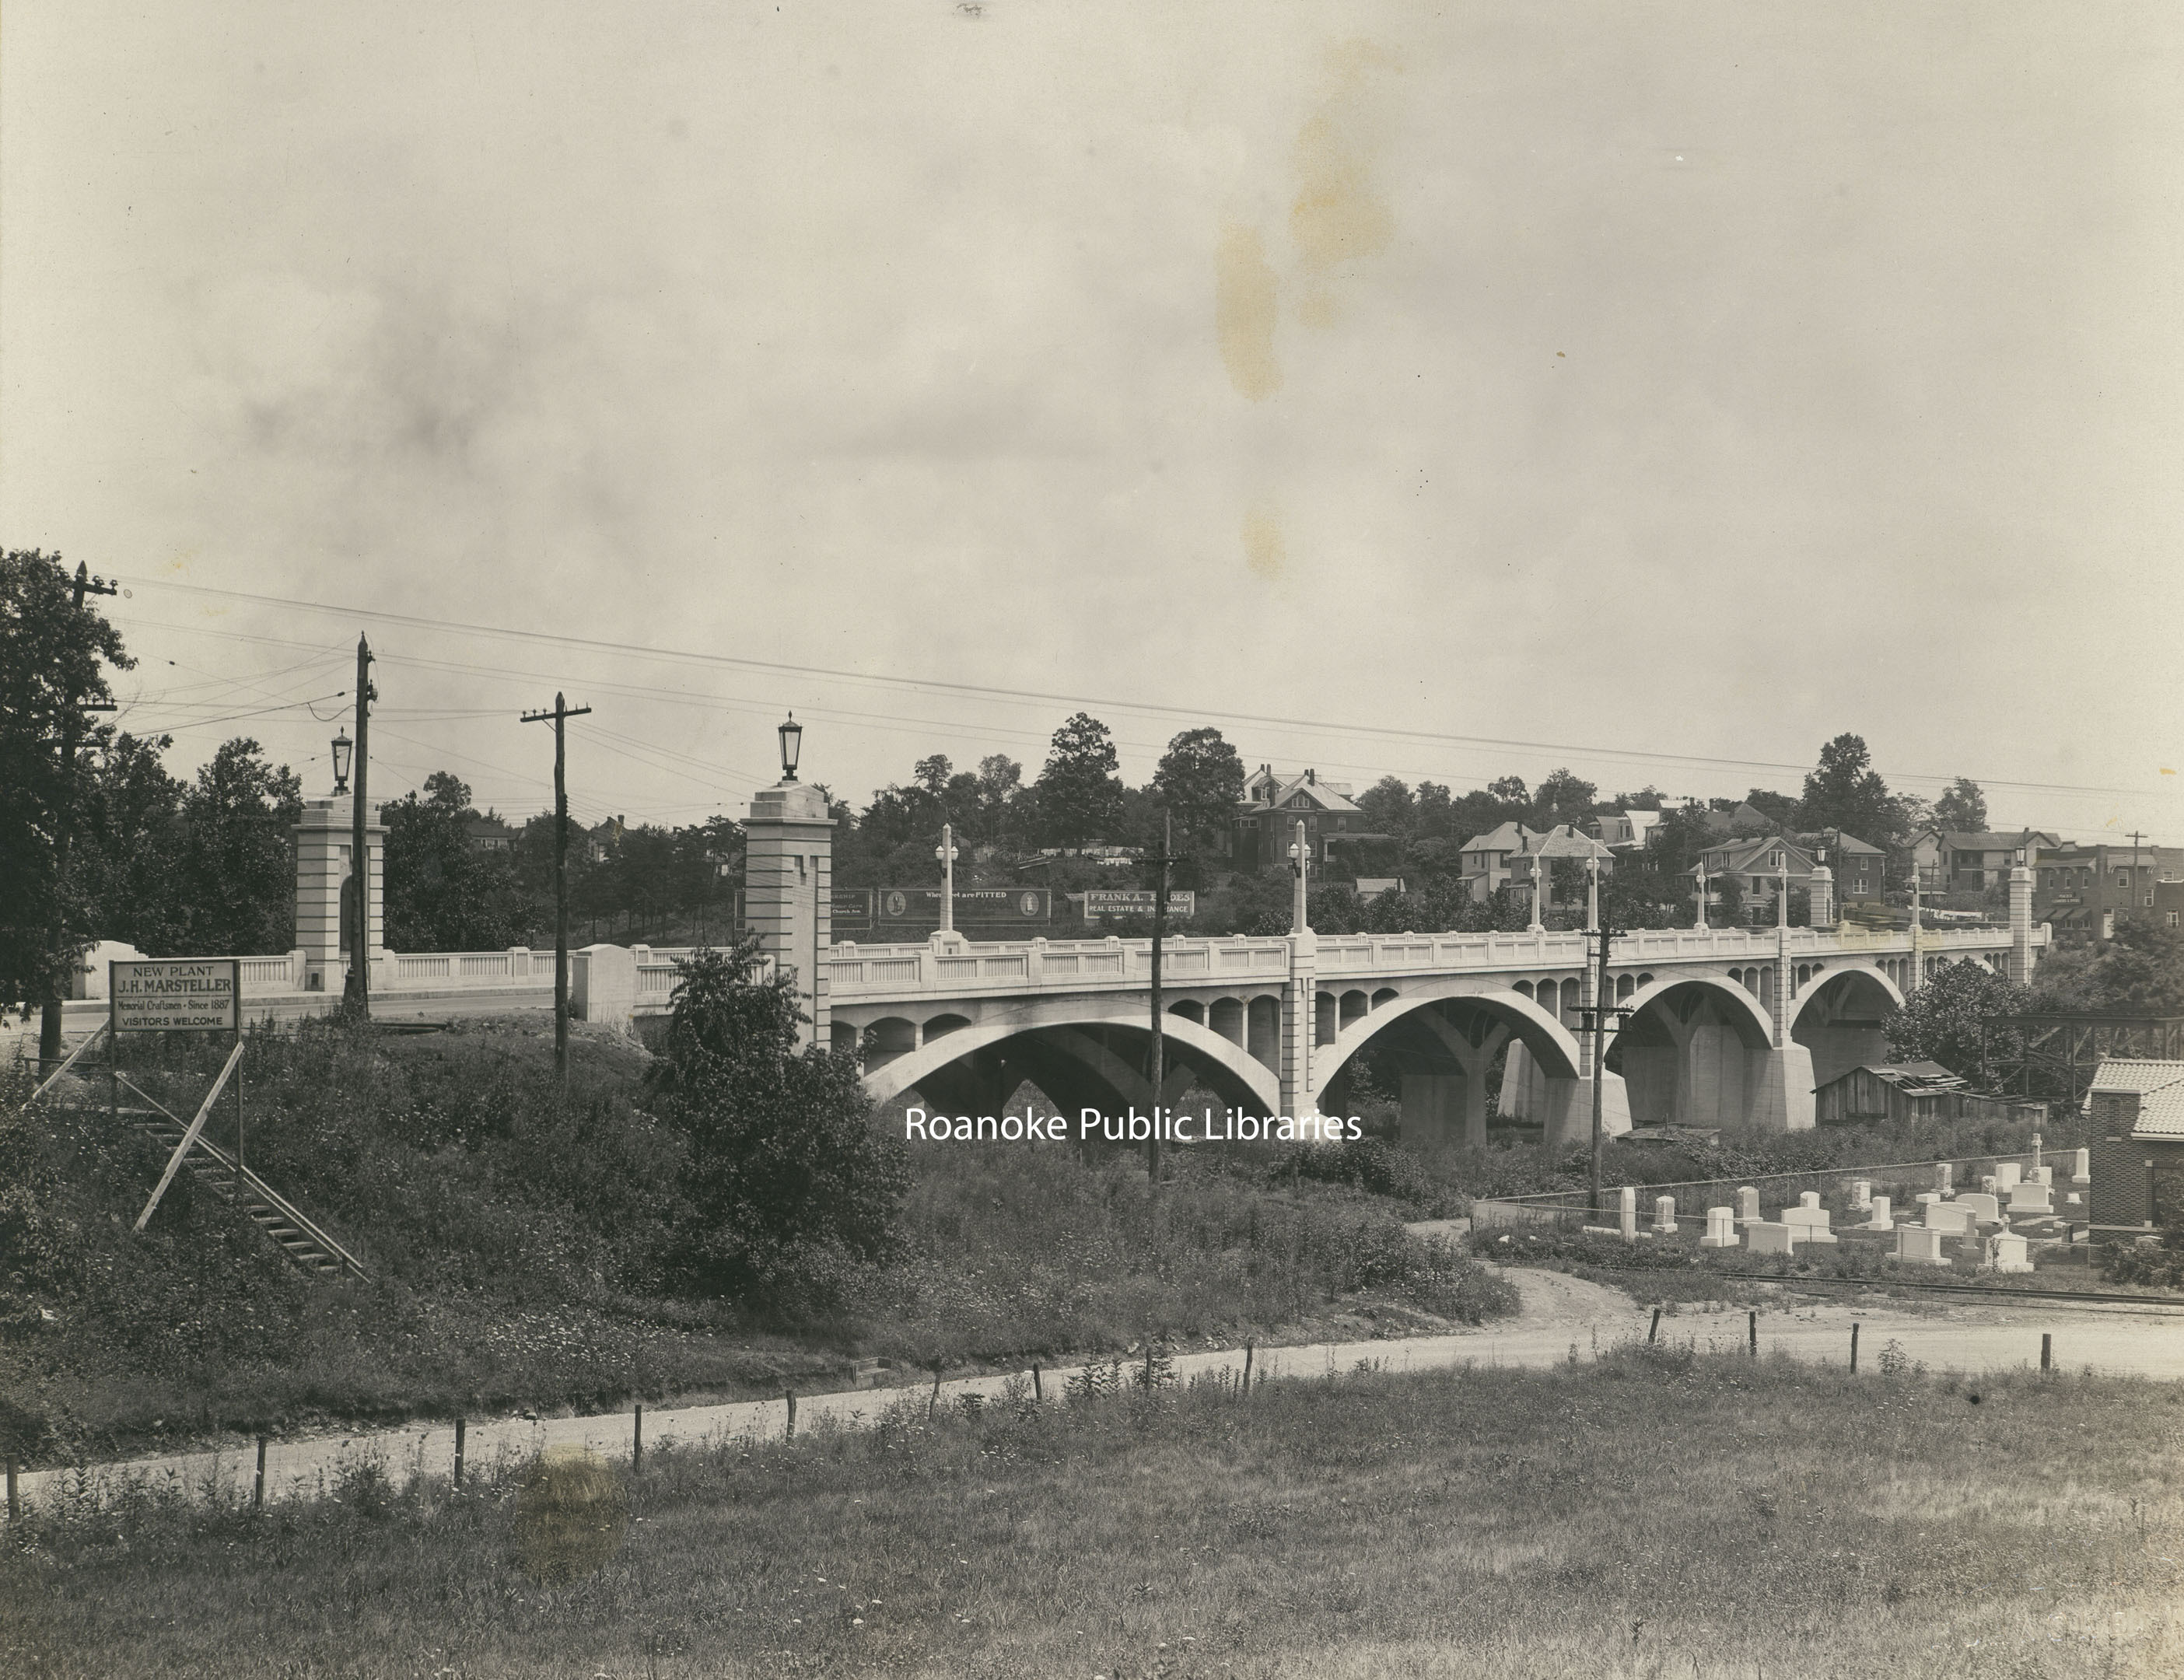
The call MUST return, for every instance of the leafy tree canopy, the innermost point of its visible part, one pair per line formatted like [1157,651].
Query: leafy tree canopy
[1200,781]
[795,1192]
[1963,809]
[1080,797]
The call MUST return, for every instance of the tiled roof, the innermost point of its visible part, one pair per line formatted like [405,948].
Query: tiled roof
[2160,1087]
[1565,841]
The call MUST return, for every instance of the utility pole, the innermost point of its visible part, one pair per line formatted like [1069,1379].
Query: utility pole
[1603,990]
[49,1015]
[358,995]
[1157,1068]
[559,717]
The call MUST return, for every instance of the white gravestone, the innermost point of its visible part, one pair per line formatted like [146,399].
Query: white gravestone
[2074,1200]
[1924,1198]
[2031,1199]
[1984,1206]
[2081,1167]
[1986,1183]
[1861,1194]
[2036,1150]
[1766,1237]
[1944,1177]
[1882,1220]
[1915,1245]
[1808,1198]
[1948,1218]
[1747,1205]
[1721,1229]
[1810,1223]
[2006,1252]
[1626,1208]
[2008,1175]
[1664,1214]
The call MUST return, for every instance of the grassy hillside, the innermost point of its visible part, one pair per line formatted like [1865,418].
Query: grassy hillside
[522,1252]
[1655,1514]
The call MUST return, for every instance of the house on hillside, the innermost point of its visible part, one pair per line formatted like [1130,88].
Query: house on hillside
[489,833]
[2138,1113]
[1860,870]
[1625,830]
[2082,889]
[1263,825]
[1758,865]
[1486,868]
[1953,860]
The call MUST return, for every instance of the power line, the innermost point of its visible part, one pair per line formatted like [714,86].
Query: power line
[1019,696]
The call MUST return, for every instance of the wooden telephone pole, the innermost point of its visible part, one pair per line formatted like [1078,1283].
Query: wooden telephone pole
[358,993]
[559,717]
[1156,1063]
[49,1014]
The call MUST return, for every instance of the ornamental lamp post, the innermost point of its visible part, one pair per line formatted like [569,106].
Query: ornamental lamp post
[1300,867]
[343,747]
[792,746]
[946,852]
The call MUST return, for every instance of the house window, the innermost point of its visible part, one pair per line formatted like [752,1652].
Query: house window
[2172,918]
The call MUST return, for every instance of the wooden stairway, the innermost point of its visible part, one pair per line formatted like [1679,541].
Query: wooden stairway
[302,1241]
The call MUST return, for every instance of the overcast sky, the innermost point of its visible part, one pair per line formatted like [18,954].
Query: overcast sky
[1686,380]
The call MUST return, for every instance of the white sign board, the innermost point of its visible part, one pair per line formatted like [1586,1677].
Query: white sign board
[178,994]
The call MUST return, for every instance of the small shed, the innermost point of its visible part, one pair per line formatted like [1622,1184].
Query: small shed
[1898,1091]
[2137,1112]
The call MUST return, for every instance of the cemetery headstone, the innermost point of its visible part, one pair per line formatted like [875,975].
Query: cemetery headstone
[1721,1229]
[1985,1207]
[1882,1220]
[1861,1193]
[1944,1177]
[2081,1167]
[1918,1245]
[1747,1205]
[2008,1175]
[1769,1236]
[1664,1213]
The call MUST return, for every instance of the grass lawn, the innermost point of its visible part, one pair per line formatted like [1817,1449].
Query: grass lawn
[1649,1514]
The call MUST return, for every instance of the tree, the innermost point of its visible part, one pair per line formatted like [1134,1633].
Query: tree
[52,661]
[1509,790]
[1955,1018]
[795,1192]
[129,834]
[2140,971]
[1778,809]
[933,773]
[1080,797]
[237,876]
[1846,792]
[442,895]
[1963,809]
[1200,781]
[1564,797]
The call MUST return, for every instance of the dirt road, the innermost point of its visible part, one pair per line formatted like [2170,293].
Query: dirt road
[1561,1317]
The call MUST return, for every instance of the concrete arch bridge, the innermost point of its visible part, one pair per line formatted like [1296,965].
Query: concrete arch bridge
[1728,1026]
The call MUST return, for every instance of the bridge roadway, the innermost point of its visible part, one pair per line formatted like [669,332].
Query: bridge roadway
[1726,1026]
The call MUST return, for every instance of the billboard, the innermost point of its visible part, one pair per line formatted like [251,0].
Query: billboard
[975,906]
[180,995]
[1182,903]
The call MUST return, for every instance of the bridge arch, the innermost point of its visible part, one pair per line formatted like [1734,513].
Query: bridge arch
[1825,977]
[1235,1076]
[1551,1043]
[1692,1050]
[1741,1004]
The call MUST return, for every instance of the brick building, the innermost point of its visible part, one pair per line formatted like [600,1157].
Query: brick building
[2082,889]
[1263,825]
[2137,1110]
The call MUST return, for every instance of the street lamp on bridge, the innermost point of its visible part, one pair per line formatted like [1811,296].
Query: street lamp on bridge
[946,852]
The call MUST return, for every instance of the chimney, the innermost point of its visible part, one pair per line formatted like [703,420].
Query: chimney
[1311,778]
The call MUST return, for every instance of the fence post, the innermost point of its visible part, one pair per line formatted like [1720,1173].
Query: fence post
[789,1433]
[1245,1391]
[1752,1324]
[637,1439]
[459,1425]
[1853,1348]
[2047,1350]
[1038,1394]
[932,1406]
[1654,1329]
[258,1487]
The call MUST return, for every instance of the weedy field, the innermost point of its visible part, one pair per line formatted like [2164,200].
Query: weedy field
[1653,1513]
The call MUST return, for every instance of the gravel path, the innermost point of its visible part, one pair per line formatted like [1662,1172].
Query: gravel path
[1561,1317]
